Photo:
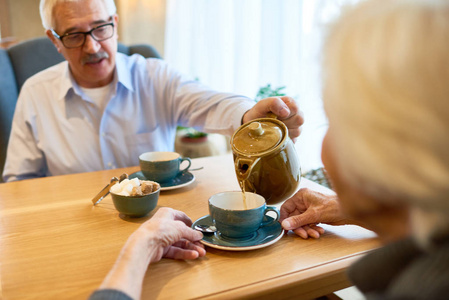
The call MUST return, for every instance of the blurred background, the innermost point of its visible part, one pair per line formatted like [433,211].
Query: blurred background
[248,47]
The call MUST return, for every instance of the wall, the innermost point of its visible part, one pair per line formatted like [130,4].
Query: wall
[142,21]
[25,22]
[4,18]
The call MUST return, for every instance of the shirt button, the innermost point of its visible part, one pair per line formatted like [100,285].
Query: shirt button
[109,164]
[103,134]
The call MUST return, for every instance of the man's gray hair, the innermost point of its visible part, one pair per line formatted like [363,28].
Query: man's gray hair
[46,10]
[386,94]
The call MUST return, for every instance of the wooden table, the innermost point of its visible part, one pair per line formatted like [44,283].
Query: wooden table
[55,245]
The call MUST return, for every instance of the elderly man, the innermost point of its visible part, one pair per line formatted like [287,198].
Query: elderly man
[100,109]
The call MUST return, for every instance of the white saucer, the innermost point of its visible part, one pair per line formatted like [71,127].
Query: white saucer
[182,179]
[263,237]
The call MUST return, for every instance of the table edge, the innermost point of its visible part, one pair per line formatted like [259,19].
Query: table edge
[291,285]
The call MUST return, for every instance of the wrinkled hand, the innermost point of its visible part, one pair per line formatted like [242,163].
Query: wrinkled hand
[166,234]
[169,232]
[306,208]
[285,108]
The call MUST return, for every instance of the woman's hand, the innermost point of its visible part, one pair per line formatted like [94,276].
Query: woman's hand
[166,234]
[169,234]
[307,208]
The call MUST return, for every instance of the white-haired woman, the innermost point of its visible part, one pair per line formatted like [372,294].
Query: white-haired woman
[386,94]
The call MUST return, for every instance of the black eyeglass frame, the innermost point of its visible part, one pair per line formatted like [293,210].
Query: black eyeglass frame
[85,34]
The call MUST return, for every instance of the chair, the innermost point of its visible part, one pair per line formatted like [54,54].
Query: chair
[25,59]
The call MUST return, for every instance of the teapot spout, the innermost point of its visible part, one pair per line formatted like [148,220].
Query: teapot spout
[244,166]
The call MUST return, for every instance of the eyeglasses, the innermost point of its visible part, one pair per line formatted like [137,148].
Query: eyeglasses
[77,39]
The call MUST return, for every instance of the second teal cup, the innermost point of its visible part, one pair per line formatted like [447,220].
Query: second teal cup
[162,166]
[236,218]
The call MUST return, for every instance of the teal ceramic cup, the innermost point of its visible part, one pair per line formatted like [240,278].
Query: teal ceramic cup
[236,219]
[162,166]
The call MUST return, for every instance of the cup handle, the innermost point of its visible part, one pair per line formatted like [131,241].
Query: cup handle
[270,221]
[181,159]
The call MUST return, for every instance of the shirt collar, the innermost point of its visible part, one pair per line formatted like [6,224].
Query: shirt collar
[122,75]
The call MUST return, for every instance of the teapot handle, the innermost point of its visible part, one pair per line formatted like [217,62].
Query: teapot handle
[250,163]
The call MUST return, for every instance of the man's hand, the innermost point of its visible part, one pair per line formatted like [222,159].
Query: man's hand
[307,208]
[284,108]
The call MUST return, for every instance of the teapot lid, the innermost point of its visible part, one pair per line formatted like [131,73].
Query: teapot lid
[258,136]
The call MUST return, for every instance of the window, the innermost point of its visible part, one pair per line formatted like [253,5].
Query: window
[239,46]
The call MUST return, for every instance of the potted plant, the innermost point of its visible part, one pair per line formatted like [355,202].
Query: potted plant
[191,135]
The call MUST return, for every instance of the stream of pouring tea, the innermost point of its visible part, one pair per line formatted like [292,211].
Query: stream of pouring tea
[242,184]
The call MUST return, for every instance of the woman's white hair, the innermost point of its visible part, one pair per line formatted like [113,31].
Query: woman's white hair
[46,10]
[386,94]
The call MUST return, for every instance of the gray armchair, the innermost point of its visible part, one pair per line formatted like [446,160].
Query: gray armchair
[25,59]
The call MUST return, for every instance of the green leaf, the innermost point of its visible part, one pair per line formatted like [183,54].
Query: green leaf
[268,91]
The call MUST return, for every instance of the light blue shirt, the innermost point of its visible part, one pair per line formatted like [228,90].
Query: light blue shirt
[58,130]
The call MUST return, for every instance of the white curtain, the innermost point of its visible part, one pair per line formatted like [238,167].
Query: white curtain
[241,45]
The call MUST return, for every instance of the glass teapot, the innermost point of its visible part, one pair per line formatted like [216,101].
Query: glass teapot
[265,159]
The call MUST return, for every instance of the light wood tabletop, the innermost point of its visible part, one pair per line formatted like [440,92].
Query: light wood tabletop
[54,244]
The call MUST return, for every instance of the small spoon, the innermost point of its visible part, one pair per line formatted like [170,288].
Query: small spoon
[196,169]
[206,228]
[104,192]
